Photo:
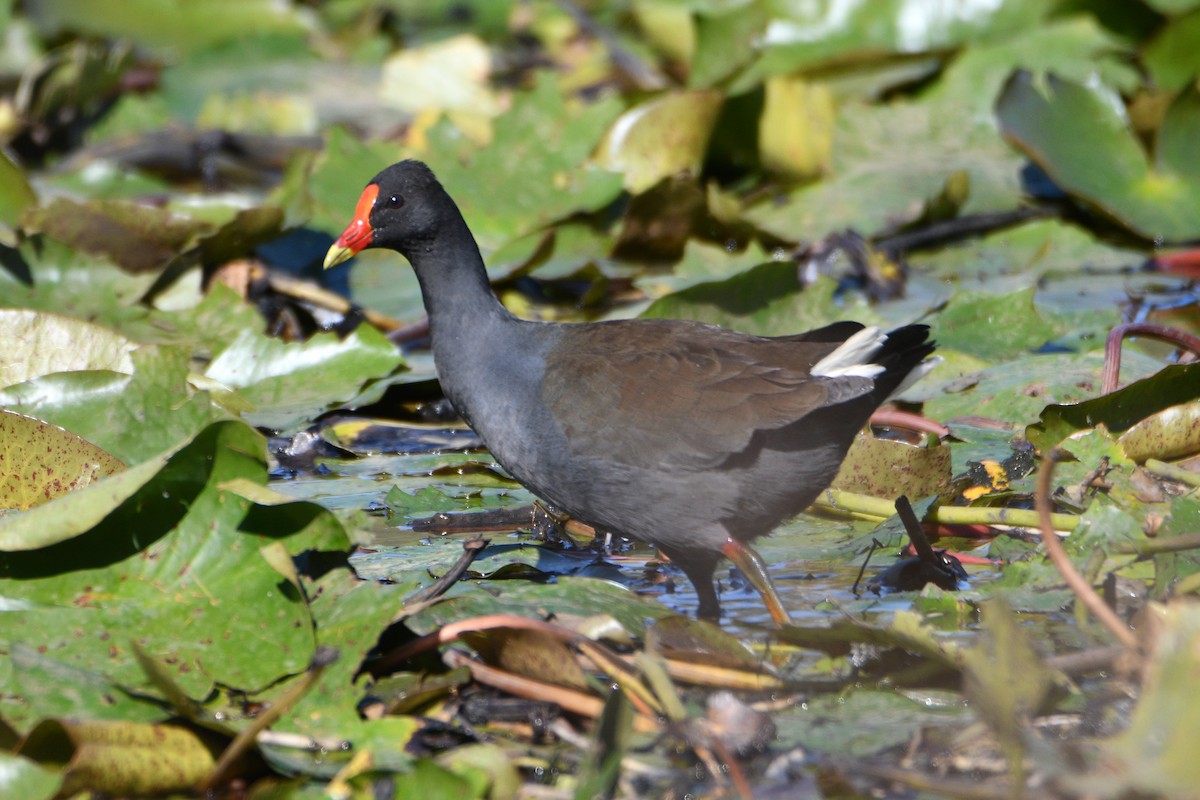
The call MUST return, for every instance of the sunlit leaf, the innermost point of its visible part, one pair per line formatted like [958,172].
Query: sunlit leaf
[177,565]
[23,777]
[660,138]
[795,132]
[123,758]
[289,381]
[164,24]
[39,462]
[1157,198]
[16,195]
[37,343]
[889,469]
[538,156]
[1119,410]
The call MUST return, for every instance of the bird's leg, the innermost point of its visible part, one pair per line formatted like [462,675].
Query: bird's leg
[710,606]
[751,564]
[699,567]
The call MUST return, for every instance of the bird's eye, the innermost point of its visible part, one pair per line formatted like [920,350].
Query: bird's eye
[395,201]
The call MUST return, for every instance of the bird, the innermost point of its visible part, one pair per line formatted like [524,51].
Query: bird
[690,437]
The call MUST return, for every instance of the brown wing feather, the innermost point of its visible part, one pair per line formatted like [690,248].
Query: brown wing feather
[696,392]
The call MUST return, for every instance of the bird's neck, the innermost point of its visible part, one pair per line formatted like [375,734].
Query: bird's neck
[454,282]
[469,327]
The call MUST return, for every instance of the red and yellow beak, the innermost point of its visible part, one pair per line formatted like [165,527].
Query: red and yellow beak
[358,234]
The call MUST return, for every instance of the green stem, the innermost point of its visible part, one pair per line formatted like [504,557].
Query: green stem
[1150,547]
[848,502]
[1172,472]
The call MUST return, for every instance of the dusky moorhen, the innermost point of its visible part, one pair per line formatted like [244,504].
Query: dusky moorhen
[692,438]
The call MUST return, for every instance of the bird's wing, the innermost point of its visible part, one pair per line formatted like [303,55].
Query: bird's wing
[687,395]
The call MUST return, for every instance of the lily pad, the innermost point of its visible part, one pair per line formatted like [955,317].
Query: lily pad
[38,343]
[1157,197]
[537,160]
[132,418]
[889,469]
[39,462]
[289,382]
[660,138]
[176,563]
[16,196]
[139,238]
[1119,410]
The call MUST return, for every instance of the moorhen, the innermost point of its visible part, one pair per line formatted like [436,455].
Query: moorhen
[692,438]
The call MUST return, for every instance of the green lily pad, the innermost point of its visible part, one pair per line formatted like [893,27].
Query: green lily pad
[179,564]
[289,382]
[983,325]
[22,777]
[1119,410]
[165,25]
[1157,197]
[887,158]
[1173,55]
[350,614]
[766,300]
[16,196]
[537,162]
[132,418]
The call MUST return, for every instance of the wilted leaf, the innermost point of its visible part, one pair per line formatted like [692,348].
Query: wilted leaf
[1171,433]
[889,469]
[1150,754]
[531,654]
[139,238]
[75,513]
[122,758]
[795,132]
[39,462]
[660,138]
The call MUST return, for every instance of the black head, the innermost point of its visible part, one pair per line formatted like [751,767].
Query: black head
[401,207]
